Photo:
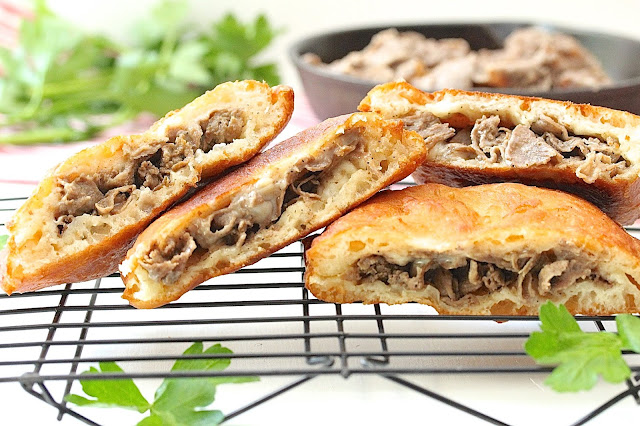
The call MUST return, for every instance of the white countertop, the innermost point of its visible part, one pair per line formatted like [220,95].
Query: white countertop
[519,399]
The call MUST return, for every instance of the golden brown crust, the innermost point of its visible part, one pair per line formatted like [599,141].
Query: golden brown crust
[415,96]
[32,230]
[619,200]
[280,95]
[278,160]
[498,219]
[618,197]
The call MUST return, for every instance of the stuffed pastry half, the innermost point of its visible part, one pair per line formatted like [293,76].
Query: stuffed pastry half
[84,216]
[281,195]
[475,138]
[499,249]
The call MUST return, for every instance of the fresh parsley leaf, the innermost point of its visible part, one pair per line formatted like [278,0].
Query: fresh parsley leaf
[3,241]
[110,393]
[582,357]
[193,418]
[268,73]
[180,401]
[558,319]
[187,65]
[232,36]
[629,331]
[151,420]
[177,402]
[232,46]
[579,368]
[61,84]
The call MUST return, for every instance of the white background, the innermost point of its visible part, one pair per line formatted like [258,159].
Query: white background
[364,399]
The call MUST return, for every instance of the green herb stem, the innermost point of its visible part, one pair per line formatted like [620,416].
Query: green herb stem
[30,137]
[168,46]
[74,102]
[34,102]
[77,105]
[77,85]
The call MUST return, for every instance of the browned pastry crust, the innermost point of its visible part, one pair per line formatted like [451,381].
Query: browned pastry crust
[84,216]
[602,167]
[280,196]
[500,249]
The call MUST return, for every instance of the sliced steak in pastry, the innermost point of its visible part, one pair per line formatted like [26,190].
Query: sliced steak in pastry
[85,214]
[499,249]
[281,195]
[476,138]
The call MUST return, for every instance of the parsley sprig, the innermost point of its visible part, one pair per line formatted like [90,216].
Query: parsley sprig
[62,84]
[177,401]
[582,357]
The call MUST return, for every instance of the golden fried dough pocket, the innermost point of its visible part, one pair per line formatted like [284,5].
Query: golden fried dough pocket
[84,216]
[496,249]
[476,138]
[281,195]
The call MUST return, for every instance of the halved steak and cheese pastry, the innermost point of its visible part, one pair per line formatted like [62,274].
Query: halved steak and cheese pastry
[499,249]
[85,214]
[475,138]
[281,195]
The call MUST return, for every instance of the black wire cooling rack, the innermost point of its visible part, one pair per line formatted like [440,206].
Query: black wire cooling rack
[275,327]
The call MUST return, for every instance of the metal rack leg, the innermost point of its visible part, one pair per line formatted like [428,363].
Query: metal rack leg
[80,346]
[445,400]
[267,397]
[631,385]
[608,404]
[378,361]
[344,370]
[315,359]
[27,385]
[306,325]
[53,328]
[45,396]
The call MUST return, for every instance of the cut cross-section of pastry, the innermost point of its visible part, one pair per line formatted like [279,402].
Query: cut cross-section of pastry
[84,216]
[281,195]
[499,249]
[477,138]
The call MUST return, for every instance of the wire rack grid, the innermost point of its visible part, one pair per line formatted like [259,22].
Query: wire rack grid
[49,338]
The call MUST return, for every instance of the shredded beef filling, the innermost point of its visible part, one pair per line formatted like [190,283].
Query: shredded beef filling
[544,142]
[455,278]
[257,208]
[170,260]
[530,58]
[429,127]
[102,194]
